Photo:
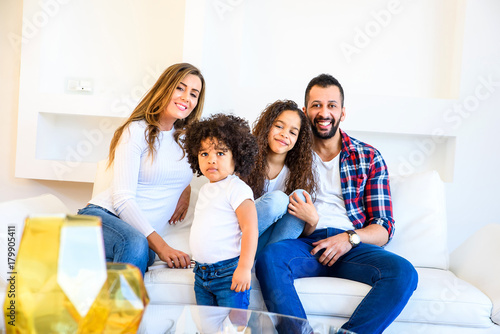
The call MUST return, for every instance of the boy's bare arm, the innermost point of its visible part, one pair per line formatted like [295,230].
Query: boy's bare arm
[247,218]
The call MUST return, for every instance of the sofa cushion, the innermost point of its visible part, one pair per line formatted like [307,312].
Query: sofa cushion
[444,299]
[477,261]
[416,198]
[441,298]
[177,236]
[16,211]
[420,213]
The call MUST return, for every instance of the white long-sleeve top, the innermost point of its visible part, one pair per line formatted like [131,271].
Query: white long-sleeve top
[145,192]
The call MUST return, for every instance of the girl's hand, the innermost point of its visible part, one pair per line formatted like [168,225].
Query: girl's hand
[303,210]
[242,279]
[182,206]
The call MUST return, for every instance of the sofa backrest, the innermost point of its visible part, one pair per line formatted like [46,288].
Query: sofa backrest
[419,211]
[419,206]
[14,213]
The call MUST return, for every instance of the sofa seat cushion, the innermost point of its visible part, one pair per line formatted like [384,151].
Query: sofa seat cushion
[441,298]
[444,299]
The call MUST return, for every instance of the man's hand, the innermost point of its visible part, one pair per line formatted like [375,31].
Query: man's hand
[242,279]
[182,206]
[334,247]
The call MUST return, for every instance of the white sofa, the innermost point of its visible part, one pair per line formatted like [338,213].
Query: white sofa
[457,292]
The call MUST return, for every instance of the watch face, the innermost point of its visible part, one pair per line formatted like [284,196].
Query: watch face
[355,239]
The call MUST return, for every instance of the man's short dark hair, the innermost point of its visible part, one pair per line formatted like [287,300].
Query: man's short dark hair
[324,81]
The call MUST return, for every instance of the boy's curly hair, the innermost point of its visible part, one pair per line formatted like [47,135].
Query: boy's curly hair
[230,130]
[298,160]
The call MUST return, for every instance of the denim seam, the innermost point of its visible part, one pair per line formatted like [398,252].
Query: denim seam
[369,292]
[292,279]
[122,240]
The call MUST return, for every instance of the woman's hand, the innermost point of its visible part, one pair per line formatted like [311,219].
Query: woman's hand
[242,279]
[172,257]
[182,206]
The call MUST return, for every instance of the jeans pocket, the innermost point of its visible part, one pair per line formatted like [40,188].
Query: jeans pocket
[226,271]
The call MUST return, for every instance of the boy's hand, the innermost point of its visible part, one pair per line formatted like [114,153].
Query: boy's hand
[242,279]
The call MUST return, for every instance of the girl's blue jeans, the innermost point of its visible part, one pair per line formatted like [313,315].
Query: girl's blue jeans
[275,223]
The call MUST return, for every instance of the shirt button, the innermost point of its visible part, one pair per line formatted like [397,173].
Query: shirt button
[204,268]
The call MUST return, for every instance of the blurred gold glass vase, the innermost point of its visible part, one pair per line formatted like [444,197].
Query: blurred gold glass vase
[61,284]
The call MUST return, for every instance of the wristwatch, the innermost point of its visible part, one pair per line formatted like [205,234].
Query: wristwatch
[354,238]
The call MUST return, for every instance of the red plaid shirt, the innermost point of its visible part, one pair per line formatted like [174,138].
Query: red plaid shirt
[365,185]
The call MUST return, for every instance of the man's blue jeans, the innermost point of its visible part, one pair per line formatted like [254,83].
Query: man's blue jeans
[212,285]
[392,278]
[122,242]
[275,223]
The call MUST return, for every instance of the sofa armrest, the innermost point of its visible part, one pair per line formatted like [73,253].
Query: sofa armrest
[477,261]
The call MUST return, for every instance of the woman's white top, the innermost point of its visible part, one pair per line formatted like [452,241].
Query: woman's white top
[216,233]
[329,199]
[278,183]
[145,192]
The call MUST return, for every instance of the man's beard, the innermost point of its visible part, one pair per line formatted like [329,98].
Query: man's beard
[327,135]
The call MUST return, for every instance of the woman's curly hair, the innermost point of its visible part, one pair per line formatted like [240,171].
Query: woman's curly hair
[299,159]
[230,130]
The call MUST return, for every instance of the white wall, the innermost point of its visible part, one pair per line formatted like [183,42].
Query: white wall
[75,195]
[415,74]
[423,71]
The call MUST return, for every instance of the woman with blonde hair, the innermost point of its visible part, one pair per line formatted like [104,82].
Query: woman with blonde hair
[151,175]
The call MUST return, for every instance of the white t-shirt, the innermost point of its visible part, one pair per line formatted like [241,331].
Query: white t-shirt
[215,232]
[144,193]
[278,183]
[329,199]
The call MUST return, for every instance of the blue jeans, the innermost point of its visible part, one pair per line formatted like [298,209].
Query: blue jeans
[212,285]
[392,278]
[122,242]
[275,223]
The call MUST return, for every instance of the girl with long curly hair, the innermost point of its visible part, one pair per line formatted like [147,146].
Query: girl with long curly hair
[224,233]
[151,175]
[283,180]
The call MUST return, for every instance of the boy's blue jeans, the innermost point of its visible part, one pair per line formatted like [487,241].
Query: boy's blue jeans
[122,242]
[392,278]
[212,285]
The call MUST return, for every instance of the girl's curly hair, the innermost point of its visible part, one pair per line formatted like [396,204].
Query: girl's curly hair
[230,130]
[298,160]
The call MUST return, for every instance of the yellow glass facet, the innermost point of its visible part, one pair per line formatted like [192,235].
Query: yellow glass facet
[82,266]
[128,298]
[62,285]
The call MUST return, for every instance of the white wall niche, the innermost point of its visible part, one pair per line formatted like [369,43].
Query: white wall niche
[82,71]
[407,153]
